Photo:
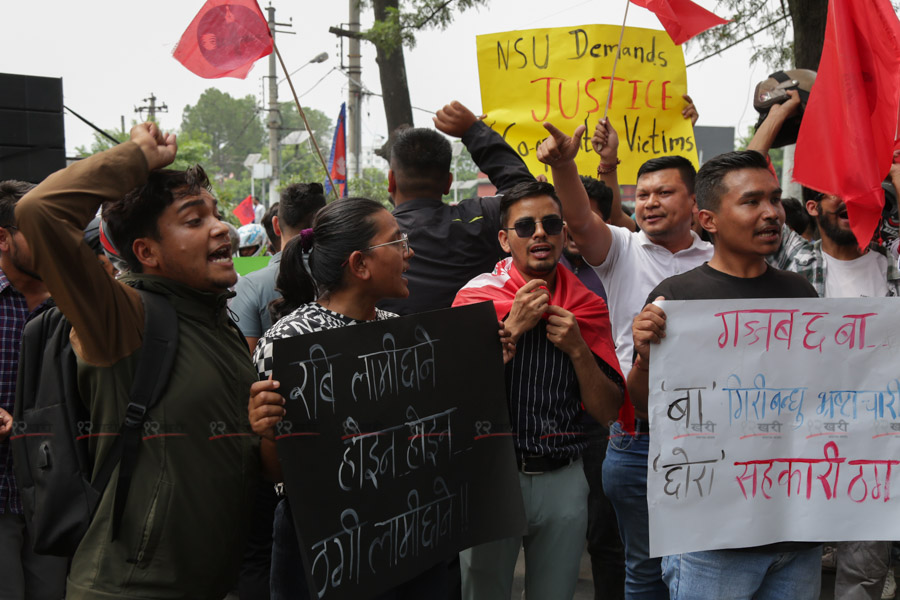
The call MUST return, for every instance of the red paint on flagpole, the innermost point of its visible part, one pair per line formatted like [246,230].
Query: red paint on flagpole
[225,39]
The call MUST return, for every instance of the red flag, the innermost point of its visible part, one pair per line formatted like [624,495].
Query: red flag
[244,211]
[682,19]
[224,39]
[846,138]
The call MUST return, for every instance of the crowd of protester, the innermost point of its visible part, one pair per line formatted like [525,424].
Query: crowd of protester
[573,278]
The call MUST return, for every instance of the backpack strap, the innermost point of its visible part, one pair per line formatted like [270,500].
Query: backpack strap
[151,377]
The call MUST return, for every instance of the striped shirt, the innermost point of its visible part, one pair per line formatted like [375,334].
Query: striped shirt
[545,398]
[13,316]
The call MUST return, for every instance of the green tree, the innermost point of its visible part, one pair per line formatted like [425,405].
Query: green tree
[779,40]
[784,33]
[230,126]
[373,184]
[299,162]
[396,25]
[101,142]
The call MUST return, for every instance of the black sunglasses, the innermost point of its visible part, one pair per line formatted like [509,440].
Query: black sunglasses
[525,228]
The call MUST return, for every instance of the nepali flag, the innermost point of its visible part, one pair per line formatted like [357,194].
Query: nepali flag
[500,287]
[682,19]
[846,138]
[337,162]
[225,39]
[244,211]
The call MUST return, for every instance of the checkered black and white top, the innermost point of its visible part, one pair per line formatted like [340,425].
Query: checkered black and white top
[307,318]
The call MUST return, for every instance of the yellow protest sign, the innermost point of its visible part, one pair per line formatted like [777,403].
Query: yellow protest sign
[562,75]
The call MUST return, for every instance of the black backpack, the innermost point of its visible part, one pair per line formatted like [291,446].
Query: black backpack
[51,426]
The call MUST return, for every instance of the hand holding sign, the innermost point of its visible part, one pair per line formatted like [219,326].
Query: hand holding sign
[266,408]
[506,343]
[605,142]
[558,148]
[649,327]
[690,111]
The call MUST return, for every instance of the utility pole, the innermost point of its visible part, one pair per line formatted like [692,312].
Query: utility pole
[274,121]
[151,108]
[354,104]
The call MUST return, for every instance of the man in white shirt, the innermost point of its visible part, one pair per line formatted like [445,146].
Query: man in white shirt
[630,264]
[259,211]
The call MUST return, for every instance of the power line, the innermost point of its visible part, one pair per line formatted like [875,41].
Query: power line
[92,126]
[367,92]
[732,45]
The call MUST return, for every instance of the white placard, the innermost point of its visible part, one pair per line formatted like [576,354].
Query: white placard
[774,420]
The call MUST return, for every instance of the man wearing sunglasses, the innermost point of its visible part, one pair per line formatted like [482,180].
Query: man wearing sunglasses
[565,363]
[630,264]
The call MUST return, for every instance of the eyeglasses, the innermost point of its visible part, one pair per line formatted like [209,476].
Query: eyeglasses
[525,228]
[404,239]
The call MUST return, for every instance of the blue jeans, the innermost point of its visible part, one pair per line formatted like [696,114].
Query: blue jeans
[625,484]
[744,575]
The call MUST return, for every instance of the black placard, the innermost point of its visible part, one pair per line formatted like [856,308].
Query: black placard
[396,448]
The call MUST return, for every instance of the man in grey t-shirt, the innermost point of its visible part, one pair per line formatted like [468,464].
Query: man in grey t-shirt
[298,205]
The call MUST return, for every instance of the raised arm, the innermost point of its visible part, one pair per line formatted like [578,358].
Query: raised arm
[586,227]
[503,165]
[107,316]
[767,132]
[605,142]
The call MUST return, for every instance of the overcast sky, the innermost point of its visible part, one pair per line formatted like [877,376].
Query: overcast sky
[112,54]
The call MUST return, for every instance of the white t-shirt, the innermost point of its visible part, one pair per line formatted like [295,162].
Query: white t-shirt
[863,276]
[633,267]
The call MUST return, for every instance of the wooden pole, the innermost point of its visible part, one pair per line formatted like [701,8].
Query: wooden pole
[612,78]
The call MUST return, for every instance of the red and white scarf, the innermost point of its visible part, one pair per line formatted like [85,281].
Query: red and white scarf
[500,286]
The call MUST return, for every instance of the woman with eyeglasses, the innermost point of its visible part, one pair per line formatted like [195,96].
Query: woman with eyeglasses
[357,256]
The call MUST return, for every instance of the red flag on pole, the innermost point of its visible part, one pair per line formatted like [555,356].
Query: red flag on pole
[682,19]
[846,138]
[224,39]
[244,211]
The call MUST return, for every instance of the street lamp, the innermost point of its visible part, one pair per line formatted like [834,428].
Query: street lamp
[319,58]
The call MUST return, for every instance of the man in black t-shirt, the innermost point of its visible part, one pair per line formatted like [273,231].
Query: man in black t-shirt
[740,206]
